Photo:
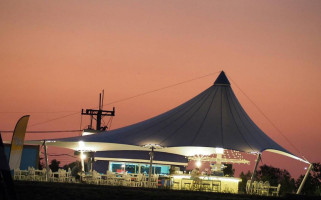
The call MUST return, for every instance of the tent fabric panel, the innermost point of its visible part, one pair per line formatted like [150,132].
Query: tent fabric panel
[288,155]
[254,135]
[187,131]
[214,118]
[209,132]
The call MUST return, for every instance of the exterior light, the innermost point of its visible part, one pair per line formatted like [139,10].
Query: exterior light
[219,150]
[85,147]
[83,156]
[198,163]
[88,132]
[155,146]
[50,141]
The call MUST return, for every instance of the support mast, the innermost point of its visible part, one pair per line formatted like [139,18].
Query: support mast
[254,171]
[305,178]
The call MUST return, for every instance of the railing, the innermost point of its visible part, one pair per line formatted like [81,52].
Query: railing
[114,179]
[260,188]
[32,174]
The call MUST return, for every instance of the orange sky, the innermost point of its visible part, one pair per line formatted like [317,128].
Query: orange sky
[56,56]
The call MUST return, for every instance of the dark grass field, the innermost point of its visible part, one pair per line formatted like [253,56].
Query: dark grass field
[60,191]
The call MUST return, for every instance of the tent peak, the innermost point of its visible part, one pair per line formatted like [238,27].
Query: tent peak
[222,79]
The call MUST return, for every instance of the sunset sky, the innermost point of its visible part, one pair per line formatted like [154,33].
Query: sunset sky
[57,56]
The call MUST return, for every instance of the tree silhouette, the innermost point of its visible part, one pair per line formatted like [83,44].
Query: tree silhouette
[276,176]
[245,178]
[75,167]
[40,164]
[72,165]
[54,165]
[228,170]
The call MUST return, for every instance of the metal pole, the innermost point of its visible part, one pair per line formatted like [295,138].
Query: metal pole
[98,126]
[91,122]
[46,159]
[91,163]
[102,100]
[305,178]
[151,155]
[254,171]
[82,161]
[99,101]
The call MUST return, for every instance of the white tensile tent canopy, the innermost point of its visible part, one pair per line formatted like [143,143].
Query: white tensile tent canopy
[211,120]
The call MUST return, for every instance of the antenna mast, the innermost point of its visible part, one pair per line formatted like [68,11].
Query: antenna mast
[100,113]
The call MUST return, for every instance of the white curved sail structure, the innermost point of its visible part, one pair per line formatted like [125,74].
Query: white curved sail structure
[213,119]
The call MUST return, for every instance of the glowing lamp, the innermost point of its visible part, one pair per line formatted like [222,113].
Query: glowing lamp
[155,146]
[83,156]
[198,163]
[219,150]
[88,132]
